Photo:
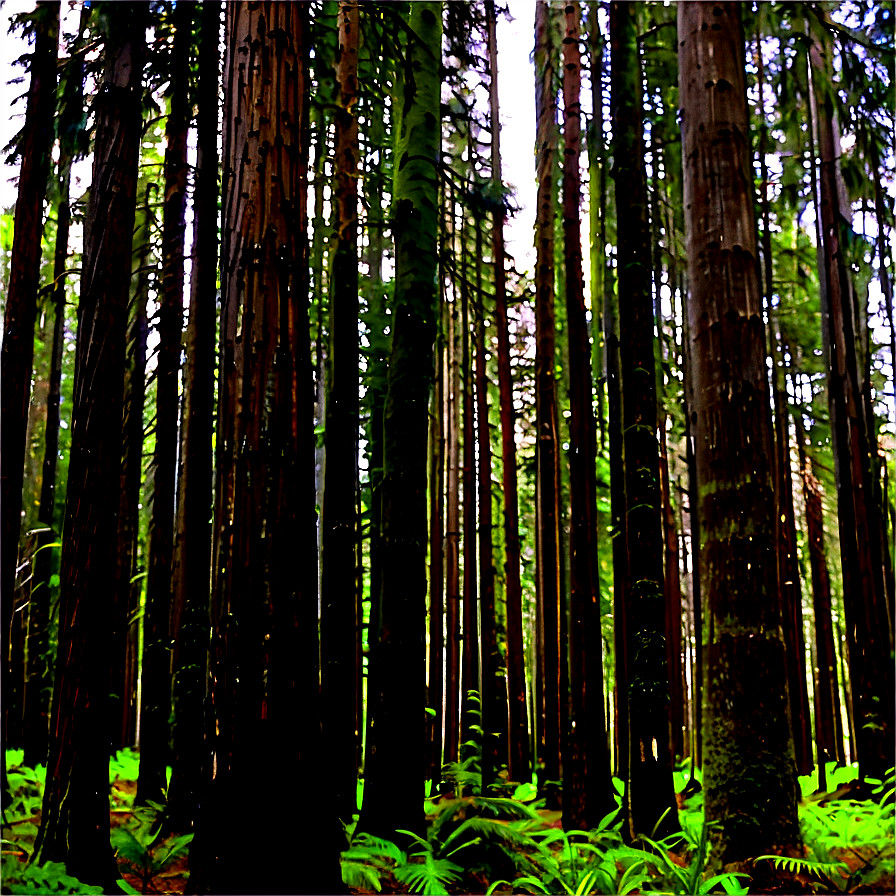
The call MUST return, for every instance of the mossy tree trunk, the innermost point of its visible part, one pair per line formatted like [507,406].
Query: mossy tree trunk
[749,780]
[397,731]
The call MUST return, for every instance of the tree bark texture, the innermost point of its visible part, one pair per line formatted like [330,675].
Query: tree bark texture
[864,597]
[749,782]
[155,709]
[338,519]
[18,322]
[587,792]
[75,815]
[392,795]
[192,549]
[264,668]
[518,723]
[547,465]
[650,768]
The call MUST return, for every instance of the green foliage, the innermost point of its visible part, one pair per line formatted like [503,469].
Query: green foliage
[50,877]
[836,777]
[136,845]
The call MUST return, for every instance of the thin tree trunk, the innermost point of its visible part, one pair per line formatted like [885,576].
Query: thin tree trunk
[155,710]
[470,712]
[749,742]
[651,792]
[452,532]
[867,619]
[547,522]
[494,696]
[587,791]
[785,527]
[18,325]
[75,816]
[192,550]
[38,687]
[338,521]
[518,723]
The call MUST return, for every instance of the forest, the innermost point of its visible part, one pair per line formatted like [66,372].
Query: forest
[600,544]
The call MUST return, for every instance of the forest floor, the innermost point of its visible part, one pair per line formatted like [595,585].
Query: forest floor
[505,843]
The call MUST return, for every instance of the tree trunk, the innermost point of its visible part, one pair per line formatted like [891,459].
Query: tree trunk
[338,521]
[452,532]
[518,741]
[264,678]
[155,709]
[749,743]
[494,695]
[392,789]
[587,791]
[547,470]
[192,549]
[864,598]
[18,323]
[38,685]
[75,815]
[470,702]
[651,792]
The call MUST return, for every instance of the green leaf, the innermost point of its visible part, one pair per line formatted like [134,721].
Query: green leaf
[127,888]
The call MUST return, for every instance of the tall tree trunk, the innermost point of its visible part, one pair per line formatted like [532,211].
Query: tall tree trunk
[864,597]
[452,532]
[75,816]
[264,677]
[587,790]
[18,322]
[494,694]
[128,581]
[392,790]
[470,703]
[192,549]
[829,744]
[155,709]
[547,475]
[38,687]
[785,526]
[651,792]
[749,743]
[518,723]
[338,521]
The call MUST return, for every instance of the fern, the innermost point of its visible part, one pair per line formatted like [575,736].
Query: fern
[429,877]
[805,866]
[359,875]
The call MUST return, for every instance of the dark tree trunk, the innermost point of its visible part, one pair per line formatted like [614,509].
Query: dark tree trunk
[547,467]
[829,743]
[155,709]
[749,743]
[192,549]
[38,689]
[785,526]
[518,741]
[470,702]
[494,694]
[18,325]
[392,789]
[651,792]
[338,521]
[452,531]
[587,792]
[75,815]
[864,596]
[264,668]
[128,581]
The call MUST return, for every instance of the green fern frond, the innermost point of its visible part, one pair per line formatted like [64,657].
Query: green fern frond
[360,876]
[429,877]
[485,828]
[367,848]
[803,866]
